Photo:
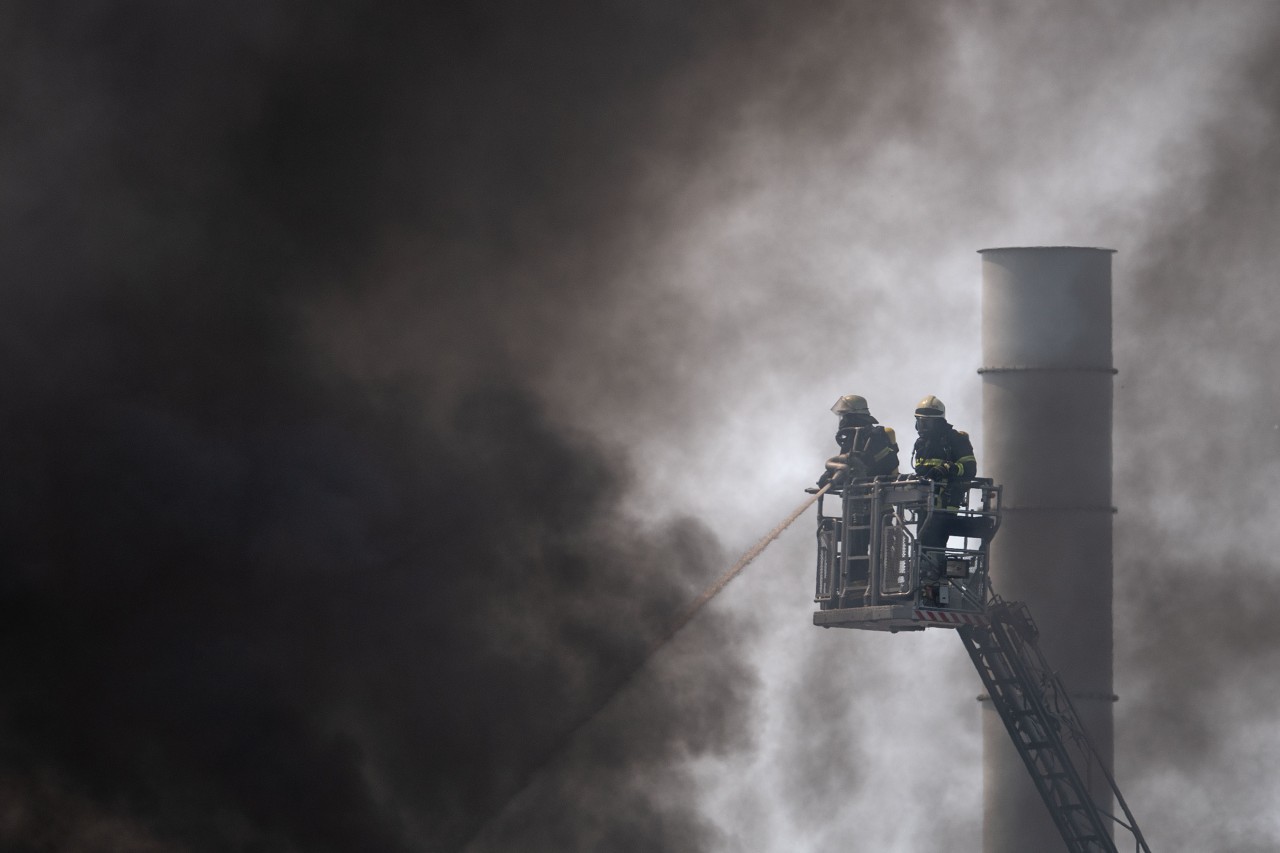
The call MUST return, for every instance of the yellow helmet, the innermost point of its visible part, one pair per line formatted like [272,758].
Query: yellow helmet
[931,407]
[852,404]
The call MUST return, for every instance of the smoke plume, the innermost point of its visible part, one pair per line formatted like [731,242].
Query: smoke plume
[297,557]
[376,375]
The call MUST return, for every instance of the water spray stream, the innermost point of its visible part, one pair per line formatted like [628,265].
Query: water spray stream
[683,619]
[743,561]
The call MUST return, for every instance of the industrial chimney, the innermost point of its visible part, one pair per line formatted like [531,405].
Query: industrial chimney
[1046,405]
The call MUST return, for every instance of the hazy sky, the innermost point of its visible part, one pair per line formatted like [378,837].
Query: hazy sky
[381,379]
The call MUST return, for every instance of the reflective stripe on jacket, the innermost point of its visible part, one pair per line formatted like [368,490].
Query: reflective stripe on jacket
[950,445]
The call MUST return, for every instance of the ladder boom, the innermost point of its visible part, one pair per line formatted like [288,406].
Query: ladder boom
[1038,714]
[898,557]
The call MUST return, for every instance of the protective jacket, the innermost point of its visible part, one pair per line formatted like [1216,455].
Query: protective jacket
[870,451]
[947,456]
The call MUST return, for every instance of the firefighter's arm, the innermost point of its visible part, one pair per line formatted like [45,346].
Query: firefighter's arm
[841,467]
[966,464]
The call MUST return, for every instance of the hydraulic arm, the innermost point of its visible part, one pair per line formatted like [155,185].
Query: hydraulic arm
[877,572]
[1044,727]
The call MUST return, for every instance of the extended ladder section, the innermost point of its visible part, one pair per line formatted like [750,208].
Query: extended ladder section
[893,557]
[1044,727]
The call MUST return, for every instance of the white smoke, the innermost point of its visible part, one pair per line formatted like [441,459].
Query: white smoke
[825,253]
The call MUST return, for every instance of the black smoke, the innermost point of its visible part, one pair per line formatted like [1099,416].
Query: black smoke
[296,555]
[305,543]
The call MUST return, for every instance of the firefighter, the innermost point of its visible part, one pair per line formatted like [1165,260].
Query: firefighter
[866,448]
[943,454]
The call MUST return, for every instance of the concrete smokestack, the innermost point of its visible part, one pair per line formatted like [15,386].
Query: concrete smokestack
[1046,406]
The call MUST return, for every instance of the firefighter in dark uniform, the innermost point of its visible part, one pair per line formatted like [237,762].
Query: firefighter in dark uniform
[866,448]
[943,454]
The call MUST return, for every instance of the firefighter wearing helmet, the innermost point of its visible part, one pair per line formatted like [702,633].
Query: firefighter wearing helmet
[943,454]
[867,449]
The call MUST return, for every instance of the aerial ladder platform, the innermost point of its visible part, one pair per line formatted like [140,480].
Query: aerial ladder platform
[876,573]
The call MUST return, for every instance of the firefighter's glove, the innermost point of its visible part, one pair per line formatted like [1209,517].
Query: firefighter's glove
[941,472]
